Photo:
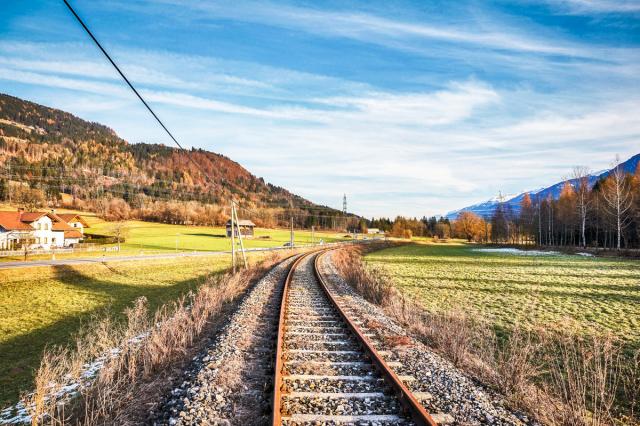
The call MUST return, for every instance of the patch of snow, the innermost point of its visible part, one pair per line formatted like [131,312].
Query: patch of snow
[18,413]
[585,254]
[518,251]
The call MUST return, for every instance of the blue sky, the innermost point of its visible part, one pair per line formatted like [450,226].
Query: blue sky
[413,108]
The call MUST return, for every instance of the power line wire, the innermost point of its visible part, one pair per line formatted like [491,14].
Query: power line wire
[133,88]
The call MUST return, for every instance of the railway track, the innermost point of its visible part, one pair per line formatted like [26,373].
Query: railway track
[327,371]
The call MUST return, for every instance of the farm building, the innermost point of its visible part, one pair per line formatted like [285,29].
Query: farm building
[246,228]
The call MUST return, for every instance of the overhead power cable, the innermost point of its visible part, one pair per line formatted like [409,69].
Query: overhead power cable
[133,88]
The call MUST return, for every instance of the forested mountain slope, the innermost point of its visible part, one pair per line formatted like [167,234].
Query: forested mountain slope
[56,153]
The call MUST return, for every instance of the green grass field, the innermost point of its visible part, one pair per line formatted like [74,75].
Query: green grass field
[590,294]
[149,238]
[46,305]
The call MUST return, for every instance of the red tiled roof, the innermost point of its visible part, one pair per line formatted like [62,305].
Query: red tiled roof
[11,222]
[242,222]
[20,221]
[31,216]
[72,234]
[69,217]
[61,226]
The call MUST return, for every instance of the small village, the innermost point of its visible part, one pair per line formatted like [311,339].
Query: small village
[37,230]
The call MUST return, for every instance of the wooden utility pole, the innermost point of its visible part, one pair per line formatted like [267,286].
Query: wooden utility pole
[291,235]
[234,212]
[233,240]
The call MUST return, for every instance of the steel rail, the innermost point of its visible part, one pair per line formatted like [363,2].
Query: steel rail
[276,416]
[411,405]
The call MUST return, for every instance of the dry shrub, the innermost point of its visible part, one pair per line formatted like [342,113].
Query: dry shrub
[558,377]
[112,358]
[584,375]
[373,324]
[397,340]
[631,383]
[367,283]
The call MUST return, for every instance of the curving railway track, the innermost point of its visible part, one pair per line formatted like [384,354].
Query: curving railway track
[326,370]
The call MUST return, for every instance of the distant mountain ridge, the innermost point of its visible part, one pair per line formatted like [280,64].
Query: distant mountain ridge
[486,208]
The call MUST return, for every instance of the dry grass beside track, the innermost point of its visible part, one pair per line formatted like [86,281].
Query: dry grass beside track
[559,377]
[146,345]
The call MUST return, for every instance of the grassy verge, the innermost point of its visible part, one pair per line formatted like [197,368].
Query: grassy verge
[486,313]
[587,294]
[47,305]
[135,361]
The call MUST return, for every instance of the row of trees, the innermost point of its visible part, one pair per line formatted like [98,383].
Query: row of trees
[605,213]
[403,227]
[602,213]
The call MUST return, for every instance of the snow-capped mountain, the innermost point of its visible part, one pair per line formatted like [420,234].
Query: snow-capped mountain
[486,208]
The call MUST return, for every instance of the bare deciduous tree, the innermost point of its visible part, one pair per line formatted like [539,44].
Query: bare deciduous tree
[120,231]
[583,200]
[618,198]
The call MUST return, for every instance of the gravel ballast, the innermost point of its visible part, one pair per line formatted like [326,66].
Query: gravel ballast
[230,381]
[446,392]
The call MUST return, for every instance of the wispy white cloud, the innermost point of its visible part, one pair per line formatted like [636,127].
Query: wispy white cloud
[461,108]
[580,7]
[455,103]
[378,143]
[405,34]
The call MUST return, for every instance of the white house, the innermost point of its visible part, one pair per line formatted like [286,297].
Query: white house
[13,231]
[38,230]
[42,236]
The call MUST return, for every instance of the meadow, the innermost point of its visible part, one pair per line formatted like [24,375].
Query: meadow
[586,294]
[44,306]
[160,237]
[153,238]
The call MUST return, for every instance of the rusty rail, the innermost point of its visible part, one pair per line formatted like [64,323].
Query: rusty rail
[276,417]
[411,405]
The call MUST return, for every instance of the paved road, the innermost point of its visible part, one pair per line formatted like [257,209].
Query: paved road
[101,259]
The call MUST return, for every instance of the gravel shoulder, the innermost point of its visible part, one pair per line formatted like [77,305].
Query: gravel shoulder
[446,392]
[230,381]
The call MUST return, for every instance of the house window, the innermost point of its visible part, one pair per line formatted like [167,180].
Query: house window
[46,240]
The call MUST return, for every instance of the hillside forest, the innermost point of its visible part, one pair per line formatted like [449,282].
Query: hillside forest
[50,157]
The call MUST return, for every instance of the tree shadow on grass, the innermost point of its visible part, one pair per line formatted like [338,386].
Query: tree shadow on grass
[600,296]
[532,262]
[20,356]
[483,281]
[205,235]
